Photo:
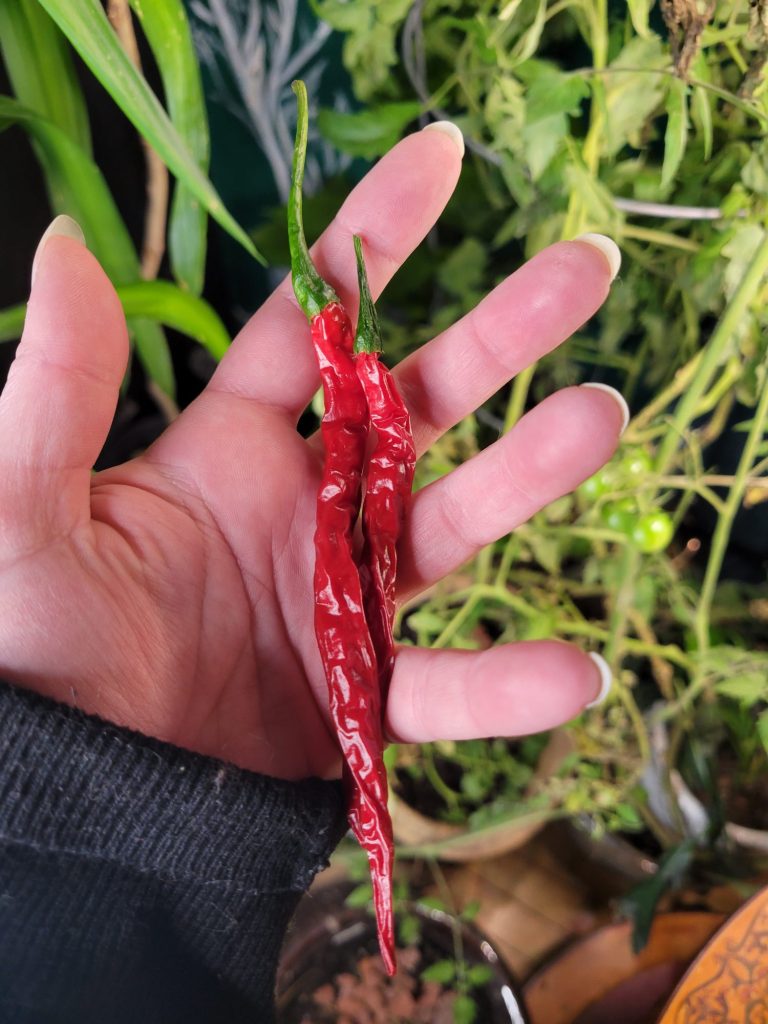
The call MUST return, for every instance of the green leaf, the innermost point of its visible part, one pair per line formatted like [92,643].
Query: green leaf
[159,301]
[748,688]
[640,903]
[554,94]
[631,96]
[639,11]
[360,896]
[676,135]
[762,729]
[478,975]
[525,47]
[464,1010]
[40,68]
[153,352]
[370,132]
[701,112]
[85,24]
[169,305]
[167,30]
[443,972]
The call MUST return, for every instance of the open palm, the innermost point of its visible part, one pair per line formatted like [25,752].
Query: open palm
[173,593]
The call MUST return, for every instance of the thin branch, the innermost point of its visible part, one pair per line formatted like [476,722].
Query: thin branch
[156,213]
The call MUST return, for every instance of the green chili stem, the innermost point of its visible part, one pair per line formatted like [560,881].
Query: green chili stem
[312,292]
[368,333]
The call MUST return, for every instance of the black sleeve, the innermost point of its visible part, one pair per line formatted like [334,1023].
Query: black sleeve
[143,883]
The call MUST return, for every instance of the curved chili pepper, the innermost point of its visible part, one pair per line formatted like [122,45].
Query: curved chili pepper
[389,480]
[342,632]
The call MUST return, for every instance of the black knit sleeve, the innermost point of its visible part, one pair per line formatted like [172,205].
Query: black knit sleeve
[140,882]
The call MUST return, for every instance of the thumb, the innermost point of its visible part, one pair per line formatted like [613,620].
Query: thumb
[62,388]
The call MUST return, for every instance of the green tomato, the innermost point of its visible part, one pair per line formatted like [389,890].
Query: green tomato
[597,485]
[653,531]
[635,463]
[620,515]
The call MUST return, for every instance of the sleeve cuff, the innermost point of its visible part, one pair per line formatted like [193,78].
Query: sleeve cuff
[73,783]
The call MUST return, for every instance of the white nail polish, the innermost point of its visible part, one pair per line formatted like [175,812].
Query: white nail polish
[61,225]
[451,130]
[606,679]
[607,247]
[618,398]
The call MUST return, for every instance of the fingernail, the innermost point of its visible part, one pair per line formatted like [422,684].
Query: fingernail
[607,247]
[618,398]
[606,679]
[451,130]
[61,225]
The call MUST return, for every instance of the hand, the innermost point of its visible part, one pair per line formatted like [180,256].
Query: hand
[173,594]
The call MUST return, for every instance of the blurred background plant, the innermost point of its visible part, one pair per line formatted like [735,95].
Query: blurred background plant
[646,122]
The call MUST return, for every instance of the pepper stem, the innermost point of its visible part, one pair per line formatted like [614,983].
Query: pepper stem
[368,333]
[312,292]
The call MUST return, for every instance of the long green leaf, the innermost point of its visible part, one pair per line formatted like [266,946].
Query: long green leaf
[85,24]
[156,301]
[676,135]
[84,195]
[166,27]
[40,68]
[169,305]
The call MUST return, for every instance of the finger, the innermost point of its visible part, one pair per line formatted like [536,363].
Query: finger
[510,690]
[62,388]
[392,208]
[553,448]
[526,316]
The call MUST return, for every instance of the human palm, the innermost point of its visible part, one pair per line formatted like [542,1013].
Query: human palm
[173,593]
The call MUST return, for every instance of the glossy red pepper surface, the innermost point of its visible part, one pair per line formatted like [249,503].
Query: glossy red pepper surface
[341,628]
[389,481]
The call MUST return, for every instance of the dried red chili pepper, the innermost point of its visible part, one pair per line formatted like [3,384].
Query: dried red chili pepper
[341,628]
[388,482]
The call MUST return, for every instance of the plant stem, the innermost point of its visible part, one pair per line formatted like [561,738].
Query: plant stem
[712,356]
[518,396]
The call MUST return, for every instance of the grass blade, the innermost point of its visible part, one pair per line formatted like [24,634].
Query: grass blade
[85,24]
[40,68]
[676,135]
[167,30]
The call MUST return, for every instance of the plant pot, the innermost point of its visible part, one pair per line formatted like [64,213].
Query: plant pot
[333,949]
[600,980]
[609,866]
[729,976]
[416,833]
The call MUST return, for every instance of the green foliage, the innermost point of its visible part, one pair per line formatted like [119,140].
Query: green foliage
[85,24]
[370,132]
[166,27]
[49,106]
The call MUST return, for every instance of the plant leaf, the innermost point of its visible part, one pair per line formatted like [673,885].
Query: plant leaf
[444,971]
[168,304]
[39,64]
[464,1010]
[676,135]
[166,27]
[85,24]
[368,133]
[153,352]
[640,902]
[702,112]
[158,301]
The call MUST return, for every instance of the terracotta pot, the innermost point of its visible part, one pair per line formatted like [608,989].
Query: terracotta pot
[600,980]
[327,939]
[415,833]
[729,979]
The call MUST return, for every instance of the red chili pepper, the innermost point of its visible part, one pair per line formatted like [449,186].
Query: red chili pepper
[342,632]
[389,480]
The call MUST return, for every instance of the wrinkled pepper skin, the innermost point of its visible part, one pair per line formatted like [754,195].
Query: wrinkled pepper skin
[389,482]
[341,628]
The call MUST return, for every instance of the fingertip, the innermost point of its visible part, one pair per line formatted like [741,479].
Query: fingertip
[62,226]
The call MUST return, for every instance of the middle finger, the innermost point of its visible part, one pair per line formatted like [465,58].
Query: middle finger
[526,316]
